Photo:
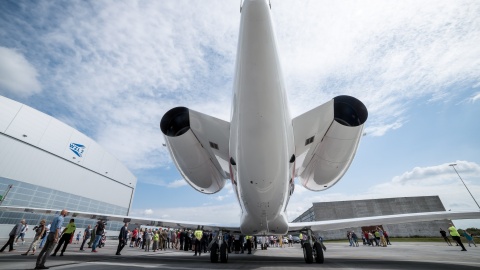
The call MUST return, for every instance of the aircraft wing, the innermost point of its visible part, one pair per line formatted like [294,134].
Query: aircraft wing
[132,220]
[199,146]
[293,227]
[313,123]
[210,129]
[326,140]
[379,220]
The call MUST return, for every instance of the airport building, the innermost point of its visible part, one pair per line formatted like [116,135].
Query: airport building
[45,163]
[322,211]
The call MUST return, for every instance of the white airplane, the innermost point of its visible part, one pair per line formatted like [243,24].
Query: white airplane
[262,150]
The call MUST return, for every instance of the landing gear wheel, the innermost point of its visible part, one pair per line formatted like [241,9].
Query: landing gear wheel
[214,253]
[318,252]
[223,253]
[307,253]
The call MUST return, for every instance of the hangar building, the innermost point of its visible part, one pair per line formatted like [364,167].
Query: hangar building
[322,211]
[45,163]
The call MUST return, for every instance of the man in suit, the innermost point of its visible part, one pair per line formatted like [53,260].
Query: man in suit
[15,231]
[122,238]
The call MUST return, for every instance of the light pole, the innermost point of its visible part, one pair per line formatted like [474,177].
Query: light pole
[2,198]
[453,166]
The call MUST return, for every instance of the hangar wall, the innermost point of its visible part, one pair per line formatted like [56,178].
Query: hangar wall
[321,211]
[52,165]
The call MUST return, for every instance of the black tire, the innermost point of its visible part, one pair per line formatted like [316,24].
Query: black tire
[307,252]
[318,253]
[214,253]
[223,253]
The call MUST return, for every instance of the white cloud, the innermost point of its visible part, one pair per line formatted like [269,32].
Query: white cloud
[148,212]
[221,197]
[17,75]
[380,130]
[177,183]
[118,67]
[475,97]
[223,213]
[387,54]
[439,180]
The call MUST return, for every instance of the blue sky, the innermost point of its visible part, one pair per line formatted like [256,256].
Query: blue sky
[111,69]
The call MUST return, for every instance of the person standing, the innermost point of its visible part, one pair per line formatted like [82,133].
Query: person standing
[354,239]
[198,237]
[173,238]
[144,238]
[383,242]
[385,234]
[134,237]
[15,231]
[187,245]
[249,244]
[456,236]
[86,236]
[66,236]
[139,238]
[98,235]
[204,241]
[155,241]
[167,244]
[165,239]
[44,238]
[52,239]
[445,237]
[122,238]
[377,237]
[39,232]
[469,238]
[148,239]
[182,239]
[78,237]
[371,238]
[22,233]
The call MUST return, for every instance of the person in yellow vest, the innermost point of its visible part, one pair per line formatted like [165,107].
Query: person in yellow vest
[198,237]
[156,236]
[456,236]
[301,240]
[249,243]
[66,235]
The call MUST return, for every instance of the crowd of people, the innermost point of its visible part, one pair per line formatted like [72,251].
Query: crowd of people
[379,237]
[157,239]
[456,237]
[374,238]
[153,239]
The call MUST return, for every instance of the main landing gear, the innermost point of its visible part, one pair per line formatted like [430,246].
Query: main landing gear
[218,249]
[312,248]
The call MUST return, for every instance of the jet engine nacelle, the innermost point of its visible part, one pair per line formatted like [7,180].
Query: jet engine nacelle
[334,153]
[196,164]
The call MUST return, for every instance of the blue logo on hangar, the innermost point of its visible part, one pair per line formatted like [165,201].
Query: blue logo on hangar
[78,149]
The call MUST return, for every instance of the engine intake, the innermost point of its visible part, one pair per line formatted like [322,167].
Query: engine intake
[197,164]
[349,111]
[175,122]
